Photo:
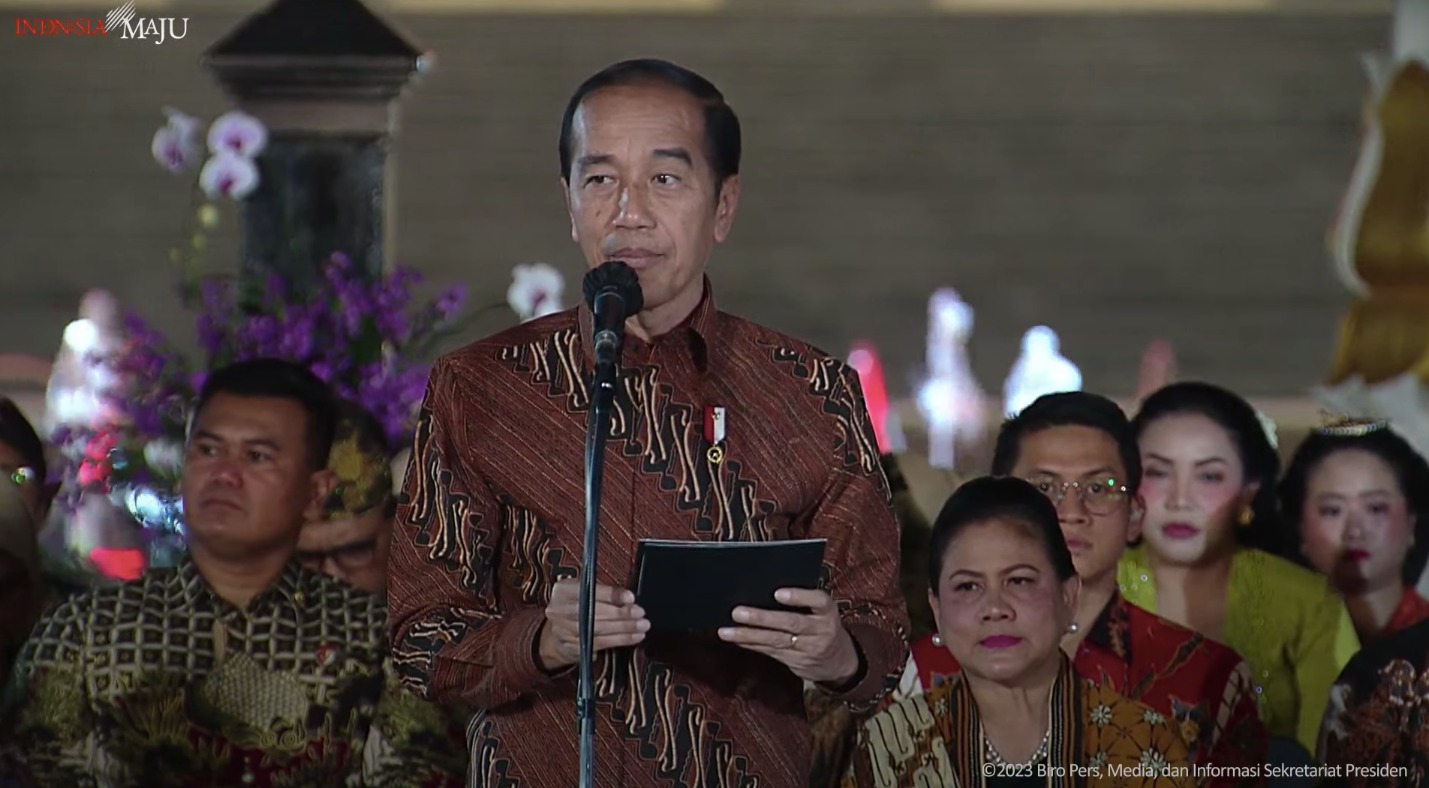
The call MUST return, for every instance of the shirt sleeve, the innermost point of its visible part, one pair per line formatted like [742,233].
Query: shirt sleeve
[855,515]
[1326,646]
[50,733]
[453,641]
[412,742]
[1239,738]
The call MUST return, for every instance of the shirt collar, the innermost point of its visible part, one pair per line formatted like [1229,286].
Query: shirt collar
[287,588]
[698,329]
[1109,633]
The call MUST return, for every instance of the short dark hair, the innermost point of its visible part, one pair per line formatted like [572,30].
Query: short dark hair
[18,433]
[279,379]
[1069,409]
[1258,456]
[999,498]
[723,141]
[1411,473]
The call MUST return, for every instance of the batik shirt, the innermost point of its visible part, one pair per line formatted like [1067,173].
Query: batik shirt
[1376,728]
[1096,737]
[1203,687]
[1288,624]
[493,514]
[160,682]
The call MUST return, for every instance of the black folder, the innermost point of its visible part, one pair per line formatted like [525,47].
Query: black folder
[695,586]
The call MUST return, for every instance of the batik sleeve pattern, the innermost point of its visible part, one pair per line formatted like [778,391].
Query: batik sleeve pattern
[52,734]
[413,743]
[855,514]
[1239,737]
[452,640]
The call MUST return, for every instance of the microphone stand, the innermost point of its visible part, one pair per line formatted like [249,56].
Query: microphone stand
[597,428]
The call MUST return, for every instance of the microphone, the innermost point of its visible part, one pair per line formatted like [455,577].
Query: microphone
[612,291]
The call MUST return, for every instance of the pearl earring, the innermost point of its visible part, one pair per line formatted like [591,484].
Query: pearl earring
[1074,628]
[937,639]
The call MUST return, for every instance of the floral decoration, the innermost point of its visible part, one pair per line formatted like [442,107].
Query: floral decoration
[233,142]
[368,339]
[536,290]
[371,338]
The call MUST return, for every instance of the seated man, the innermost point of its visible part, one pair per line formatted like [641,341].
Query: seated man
[1078,449]
[350,538]
[238,667]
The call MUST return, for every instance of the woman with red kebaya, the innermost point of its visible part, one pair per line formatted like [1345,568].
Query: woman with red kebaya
[1359,494]
[1209,470]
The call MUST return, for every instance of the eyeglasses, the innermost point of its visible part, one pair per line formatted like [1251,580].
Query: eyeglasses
[1098,496]
[349,557]
[22,476]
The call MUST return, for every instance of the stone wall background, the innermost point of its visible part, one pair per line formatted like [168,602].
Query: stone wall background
[1115,177]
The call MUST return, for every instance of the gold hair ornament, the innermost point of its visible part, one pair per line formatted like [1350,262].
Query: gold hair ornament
[1351,427]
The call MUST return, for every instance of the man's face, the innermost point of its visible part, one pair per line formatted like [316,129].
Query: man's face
[1072,463]
[351,549]
[641,190]
[248,480]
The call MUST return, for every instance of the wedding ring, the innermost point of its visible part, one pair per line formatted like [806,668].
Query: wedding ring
[793,641]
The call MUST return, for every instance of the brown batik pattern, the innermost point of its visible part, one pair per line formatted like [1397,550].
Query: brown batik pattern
[494,514]
[1377,714]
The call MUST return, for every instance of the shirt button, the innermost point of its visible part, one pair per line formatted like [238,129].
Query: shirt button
[248,778]
[100,639]
[300,597]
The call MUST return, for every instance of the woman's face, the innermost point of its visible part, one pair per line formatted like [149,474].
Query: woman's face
[1355,525]
[1000,608]
[1194,488]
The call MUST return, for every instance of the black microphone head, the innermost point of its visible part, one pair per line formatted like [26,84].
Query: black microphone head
[619,277]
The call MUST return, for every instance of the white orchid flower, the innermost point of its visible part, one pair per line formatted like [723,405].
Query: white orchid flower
[536,290]
[164,456]
[176,143]
[237,133]
[228,175]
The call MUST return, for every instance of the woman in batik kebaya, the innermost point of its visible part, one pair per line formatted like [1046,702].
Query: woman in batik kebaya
[1359,495]
[1208,481]
[1003,591]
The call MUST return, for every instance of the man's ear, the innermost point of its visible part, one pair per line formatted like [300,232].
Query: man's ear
[1138,519]
[725,206]
[324,482]
[570,213]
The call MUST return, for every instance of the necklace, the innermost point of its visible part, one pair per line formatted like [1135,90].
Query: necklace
[994,759]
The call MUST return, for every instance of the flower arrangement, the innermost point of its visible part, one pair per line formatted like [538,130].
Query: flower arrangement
[234,140]
[370,338]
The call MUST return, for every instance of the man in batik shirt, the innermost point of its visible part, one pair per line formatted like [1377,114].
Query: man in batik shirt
[239,667]
[1079,449]
[723,431]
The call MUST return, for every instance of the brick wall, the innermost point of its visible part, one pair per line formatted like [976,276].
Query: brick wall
[1115,177]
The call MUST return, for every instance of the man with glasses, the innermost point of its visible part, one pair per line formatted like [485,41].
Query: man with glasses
[1078,449]
[351,536]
